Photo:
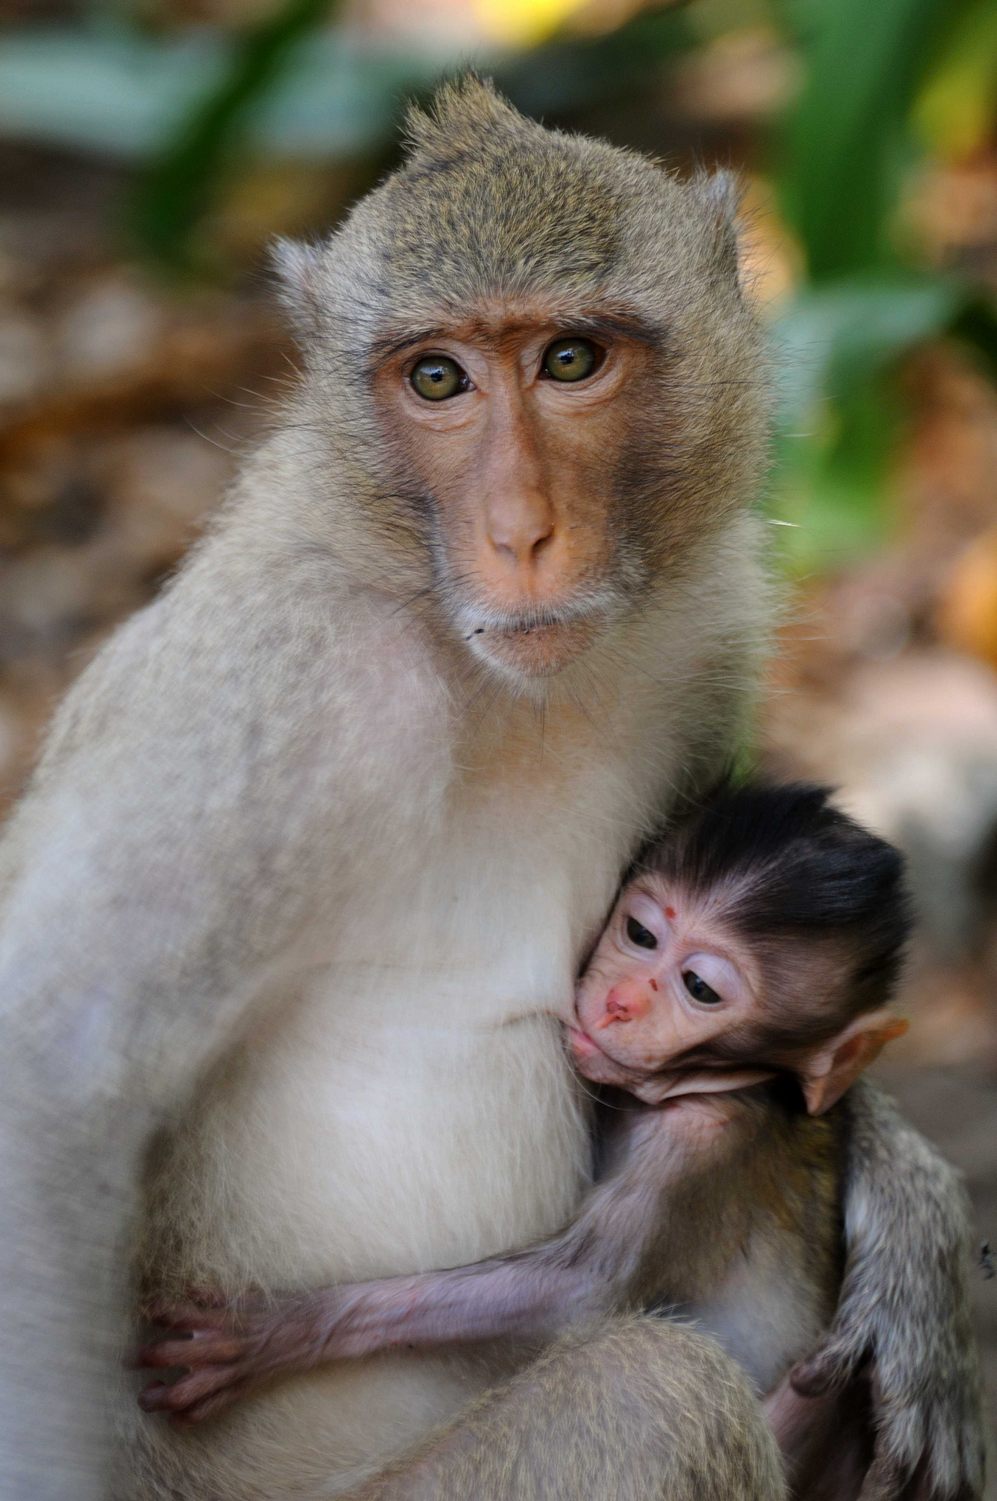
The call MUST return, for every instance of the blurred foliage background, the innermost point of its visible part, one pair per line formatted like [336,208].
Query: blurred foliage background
[149,149]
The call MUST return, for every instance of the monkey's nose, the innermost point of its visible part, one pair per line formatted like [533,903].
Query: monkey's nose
[624,1003]
[520,535]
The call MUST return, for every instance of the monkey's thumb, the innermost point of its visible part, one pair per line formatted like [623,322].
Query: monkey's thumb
[832,1365]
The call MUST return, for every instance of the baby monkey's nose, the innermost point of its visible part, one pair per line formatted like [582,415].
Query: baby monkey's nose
[625,1003]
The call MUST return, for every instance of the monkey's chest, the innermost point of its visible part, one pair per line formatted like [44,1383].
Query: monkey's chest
[351,1148]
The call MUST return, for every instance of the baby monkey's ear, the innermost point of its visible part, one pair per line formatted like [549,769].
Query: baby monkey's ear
[827,1073]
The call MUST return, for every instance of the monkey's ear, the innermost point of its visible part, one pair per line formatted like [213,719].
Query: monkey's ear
[720,193]
[834,1068]
[297,267]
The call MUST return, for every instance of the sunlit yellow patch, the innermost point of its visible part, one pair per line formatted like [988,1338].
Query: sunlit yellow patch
[519,23]
[955,111]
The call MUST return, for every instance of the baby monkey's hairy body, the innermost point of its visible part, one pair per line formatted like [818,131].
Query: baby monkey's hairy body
[739,989]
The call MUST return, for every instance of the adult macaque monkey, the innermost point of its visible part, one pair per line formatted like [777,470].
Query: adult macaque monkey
[319,839]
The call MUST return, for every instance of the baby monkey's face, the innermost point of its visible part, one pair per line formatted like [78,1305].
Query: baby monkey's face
[668,979]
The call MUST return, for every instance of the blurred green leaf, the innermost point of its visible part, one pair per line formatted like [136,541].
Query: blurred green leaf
[105,93]
[839,412]
[833,481]
[179,188]
[836,334]
[132,97]
[846,136]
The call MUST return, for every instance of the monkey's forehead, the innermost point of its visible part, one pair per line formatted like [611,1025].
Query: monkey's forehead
[490,204]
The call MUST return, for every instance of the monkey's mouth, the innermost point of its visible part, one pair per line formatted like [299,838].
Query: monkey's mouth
[536,649]
[594,1063]
[655,1086]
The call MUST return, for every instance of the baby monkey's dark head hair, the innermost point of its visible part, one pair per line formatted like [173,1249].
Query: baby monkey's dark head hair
[781,862]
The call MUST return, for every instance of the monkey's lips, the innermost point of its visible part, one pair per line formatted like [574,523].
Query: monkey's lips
[594,1063]
[652,1086]
[535,650]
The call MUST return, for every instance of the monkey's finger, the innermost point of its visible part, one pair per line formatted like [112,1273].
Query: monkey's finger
[150,1356]
[199,1349]
[184,1393]
[209,1407]
[184,1315]
[831,1366]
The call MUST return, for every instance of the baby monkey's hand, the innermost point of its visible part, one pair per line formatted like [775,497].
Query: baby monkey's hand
[225,1349]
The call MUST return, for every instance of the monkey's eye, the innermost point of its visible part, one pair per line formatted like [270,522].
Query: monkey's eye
[570,359]
[436,377]
[641,936]
[699,990]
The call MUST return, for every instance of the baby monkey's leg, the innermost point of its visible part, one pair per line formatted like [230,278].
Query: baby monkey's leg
[637,1409]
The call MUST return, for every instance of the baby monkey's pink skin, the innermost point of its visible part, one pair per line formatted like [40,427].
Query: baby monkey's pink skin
[668,979]
[224,1349]
[671,980]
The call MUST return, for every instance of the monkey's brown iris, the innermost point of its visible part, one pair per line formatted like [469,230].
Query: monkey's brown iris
[570,359]
[436,377]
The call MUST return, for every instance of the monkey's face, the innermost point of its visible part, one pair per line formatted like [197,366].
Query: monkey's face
[539,378]
[676,1001]
[518,427]
[667,993]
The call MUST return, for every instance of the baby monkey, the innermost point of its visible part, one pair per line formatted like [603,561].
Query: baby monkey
[737,991]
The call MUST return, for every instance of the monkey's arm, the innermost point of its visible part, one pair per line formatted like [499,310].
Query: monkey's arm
[590,1268]
[227,1350]
[904,1310]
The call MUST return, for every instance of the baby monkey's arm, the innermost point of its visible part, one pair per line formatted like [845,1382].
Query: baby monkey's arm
[226,1349]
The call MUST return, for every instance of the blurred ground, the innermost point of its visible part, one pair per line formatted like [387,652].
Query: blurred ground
[124,403]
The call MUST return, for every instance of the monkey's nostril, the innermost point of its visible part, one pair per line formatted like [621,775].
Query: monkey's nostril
[616,1010]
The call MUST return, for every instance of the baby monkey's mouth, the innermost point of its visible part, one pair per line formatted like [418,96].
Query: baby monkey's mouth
[594,1063]
[654,1086]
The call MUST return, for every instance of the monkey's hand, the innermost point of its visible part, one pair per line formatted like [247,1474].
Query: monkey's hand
[903,1318]
[225,1350]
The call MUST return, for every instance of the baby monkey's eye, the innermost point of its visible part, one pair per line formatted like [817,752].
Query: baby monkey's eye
[641,936]
[699,990]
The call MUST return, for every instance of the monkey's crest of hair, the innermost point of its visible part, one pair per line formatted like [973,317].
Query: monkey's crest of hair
[461,113]
[490,203]
[795,865]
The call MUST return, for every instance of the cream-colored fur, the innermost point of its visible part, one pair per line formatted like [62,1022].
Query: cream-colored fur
[414,1063]
[302,881]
